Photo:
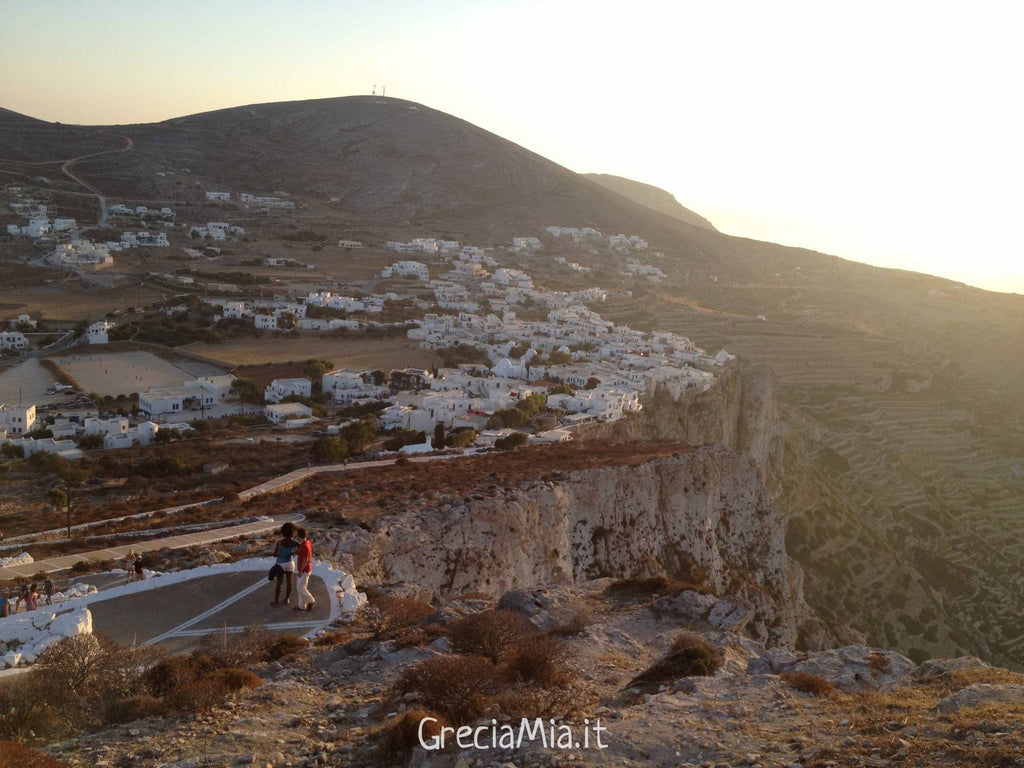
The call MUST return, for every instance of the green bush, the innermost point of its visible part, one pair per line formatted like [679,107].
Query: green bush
[510,442]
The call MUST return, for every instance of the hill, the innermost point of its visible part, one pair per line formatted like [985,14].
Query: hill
[903,473]
[651,196]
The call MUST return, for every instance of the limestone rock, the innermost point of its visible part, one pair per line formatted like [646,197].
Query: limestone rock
[935,667]
[850,668]
[688,604]
[731,615]
[982,694]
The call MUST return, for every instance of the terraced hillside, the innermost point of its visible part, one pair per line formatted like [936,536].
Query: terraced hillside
[903,478]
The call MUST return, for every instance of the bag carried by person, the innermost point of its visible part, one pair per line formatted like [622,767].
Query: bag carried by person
[275,571]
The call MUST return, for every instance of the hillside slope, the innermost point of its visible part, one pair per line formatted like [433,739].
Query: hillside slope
[651,196]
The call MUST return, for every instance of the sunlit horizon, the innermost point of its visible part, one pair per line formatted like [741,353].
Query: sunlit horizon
[884,135]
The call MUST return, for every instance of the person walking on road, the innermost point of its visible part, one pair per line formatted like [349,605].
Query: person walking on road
[48,590]
[304,597]
[284,553]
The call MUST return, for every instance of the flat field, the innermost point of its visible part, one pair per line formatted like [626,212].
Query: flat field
[344,353]
[120,373]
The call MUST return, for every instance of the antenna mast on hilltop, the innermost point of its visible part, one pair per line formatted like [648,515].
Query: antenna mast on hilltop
[374,91]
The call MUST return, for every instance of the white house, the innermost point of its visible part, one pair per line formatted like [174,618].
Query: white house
[279,389]
[115,426]
[289,413]
[218,196]
[17,419]
[13,340]
[63,448]
[97,333]
[266,322]
[63,225]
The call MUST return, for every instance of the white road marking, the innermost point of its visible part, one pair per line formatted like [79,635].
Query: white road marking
[207,613]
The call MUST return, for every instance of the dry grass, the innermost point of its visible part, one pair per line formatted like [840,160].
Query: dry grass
[14,755]
[808,683]
[642,589]
[343,352]
[458,687]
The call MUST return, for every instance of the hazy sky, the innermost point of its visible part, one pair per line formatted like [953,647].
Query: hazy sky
[883,132]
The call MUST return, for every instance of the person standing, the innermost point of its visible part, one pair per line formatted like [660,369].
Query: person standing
[5,606]
[284,553]
[304,567]
[130,565]
[22,597]
[140,575]
[32,603]
[48,590]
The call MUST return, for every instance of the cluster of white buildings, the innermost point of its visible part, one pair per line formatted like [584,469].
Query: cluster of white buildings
[627,242]
[576,234]
[216,230]
[143,239]
[371,304]
[413,269]
[249,200]
[120,209]
[652,273]
[16,420]
[80,253]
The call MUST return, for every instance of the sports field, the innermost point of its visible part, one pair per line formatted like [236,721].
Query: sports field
[120,373]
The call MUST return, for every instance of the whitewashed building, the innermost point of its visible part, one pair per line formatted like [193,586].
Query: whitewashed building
[279,389]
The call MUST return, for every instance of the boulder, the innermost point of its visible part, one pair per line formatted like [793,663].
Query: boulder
[983,695]
[850,668]
[731,615]
[937,667]
[689,605]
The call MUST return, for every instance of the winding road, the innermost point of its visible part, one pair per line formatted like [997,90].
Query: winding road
[129,144]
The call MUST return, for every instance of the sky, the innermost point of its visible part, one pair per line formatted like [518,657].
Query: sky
[889,133]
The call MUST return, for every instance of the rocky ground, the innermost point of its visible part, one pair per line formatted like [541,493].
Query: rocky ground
[332,703]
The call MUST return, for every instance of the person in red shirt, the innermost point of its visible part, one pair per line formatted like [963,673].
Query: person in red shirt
[304,568]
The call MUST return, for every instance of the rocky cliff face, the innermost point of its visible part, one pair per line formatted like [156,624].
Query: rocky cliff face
[703,515]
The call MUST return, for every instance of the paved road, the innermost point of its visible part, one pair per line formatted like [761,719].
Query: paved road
[63,562]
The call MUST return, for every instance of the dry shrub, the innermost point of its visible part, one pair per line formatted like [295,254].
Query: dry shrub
[808,683]
[281,646]
[417,637]
[198,695]
[235,679]
[14,755]
[133,708]
[331,639]
[400,735]
[690,656]
[25,711]
[455,686]
[539,659]
[574,626]
[255,645]
[879,663]
[639,588]
[387,616]
[489,633]
[176,671]
[531,702]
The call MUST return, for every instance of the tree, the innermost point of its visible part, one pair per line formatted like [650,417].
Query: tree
[359,434]
[561,389]
[593,382]
[510,442]
[438,442]
[314,369]
[329,449]
[247,391]
[462,438]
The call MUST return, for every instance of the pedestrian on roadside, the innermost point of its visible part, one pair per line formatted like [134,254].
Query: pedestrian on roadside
[48,590]
[140,575]
[22,597]
[284,553]
[5,606]
[130,565]
[304,567]
[33,598]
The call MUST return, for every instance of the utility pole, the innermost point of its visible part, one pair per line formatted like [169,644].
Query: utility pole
[67,493]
